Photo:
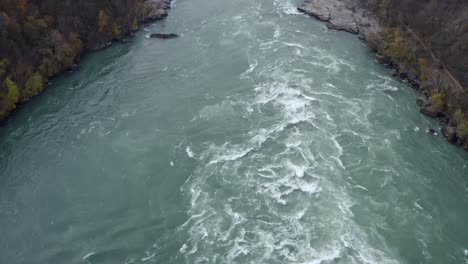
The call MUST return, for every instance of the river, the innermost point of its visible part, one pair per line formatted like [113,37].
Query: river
[258,136]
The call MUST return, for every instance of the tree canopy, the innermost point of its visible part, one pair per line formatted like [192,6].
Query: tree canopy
[42,38]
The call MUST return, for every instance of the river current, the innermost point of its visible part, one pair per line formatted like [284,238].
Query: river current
[258,136]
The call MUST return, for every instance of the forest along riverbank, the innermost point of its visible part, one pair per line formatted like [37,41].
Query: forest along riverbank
[40,40]
[412,37]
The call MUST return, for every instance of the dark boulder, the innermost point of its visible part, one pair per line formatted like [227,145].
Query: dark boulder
[450,133]
[432,111]
[164,35]
[421,102]
[100,45]
[74,67]
[431,131]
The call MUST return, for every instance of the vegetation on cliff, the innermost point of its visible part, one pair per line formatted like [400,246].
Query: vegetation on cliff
[427,42]
[40,39]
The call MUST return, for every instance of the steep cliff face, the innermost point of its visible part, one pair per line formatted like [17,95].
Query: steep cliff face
[441,25]
[39,39]
[425,41]
[428,41]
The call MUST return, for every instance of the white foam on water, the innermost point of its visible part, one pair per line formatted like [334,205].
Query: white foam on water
[361,187]
[284,185]
[278,193]
[87,256]
[383,85]
[466,255]
[286,7]
[189,152]
[231,154]
[294,45]
[277,32]
[298,170]
[417,205]
[251,68]
[149,257]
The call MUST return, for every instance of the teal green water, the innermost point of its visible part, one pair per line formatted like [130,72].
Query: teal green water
[258,136]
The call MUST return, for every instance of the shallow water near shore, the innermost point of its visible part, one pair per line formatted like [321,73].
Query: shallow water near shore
[258,136]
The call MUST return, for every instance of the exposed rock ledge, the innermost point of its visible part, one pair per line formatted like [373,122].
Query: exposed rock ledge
[347,15]
[156,10]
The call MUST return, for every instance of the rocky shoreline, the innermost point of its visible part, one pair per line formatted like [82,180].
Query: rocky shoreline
[356,17]
[154,10]
[345,15]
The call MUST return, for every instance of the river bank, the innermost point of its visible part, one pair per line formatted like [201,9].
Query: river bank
[42,41]
[400,47]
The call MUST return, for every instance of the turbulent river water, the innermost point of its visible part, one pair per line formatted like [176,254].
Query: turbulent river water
[258,136]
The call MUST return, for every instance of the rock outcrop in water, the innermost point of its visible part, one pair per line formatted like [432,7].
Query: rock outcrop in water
[425,41]
[342,15]
[41,39]
[164,35]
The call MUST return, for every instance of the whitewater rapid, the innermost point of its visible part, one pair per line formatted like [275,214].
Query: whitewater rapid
[267,196]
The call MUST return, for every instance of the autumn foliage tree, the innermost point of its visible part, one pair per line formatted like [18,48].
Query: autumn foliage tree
[40,39]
